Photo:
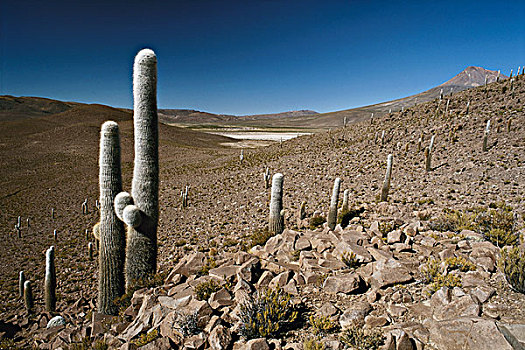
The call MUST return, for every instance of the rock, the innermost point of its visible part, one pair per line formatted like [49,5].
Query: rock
[403,342]
[483,293]
[302,243]
[220,298]
[396,310]
[56,321]
[494,310]
[516,331]
[158,344]
[361,253]
[470,332]
[191,264]
[265,279]
[458,307]
[257,344]
[342,284]
[224,272]
[280,280]
[355,315]
[219,338]
[389,272]
[195,342]
[428,241]
[375,321]
[101,323]
[396,236]
[327,309]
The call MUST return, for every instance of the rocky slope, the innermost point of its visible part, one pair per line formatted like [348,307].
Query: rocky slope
[393,242]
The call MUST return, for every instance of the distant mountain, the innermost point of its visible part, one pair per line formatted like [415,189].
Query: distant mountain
[468,78]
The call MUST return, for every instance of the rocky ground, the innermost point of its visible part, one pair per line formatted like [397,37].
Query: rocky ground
[383,286]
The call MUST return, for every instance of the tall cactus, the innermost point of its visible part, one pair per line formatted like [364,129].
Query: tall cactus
[486,136]
[428,159]
[276,222]
[386,183]
[140,210]
[111,230]
[332,213]
[21,281]
[50,281]
[346,194]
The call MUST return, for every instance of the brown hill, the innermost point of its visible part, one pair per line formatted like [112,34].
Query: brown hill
[55,166]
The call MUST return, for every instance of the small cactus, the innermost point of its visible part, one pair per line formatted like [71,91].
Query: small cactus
[497,77]
[276,222]
[428,159]
[509,125]
[485,136]
[85,207]
[28,223]
[55,235]
[302,211]
[344,208]
[53,213]
[431,146]
[241,157]
[50,281]
[267,177]
[468,107]
[332,213]
[28,296]
[386,183]
[90,250]
[21,281]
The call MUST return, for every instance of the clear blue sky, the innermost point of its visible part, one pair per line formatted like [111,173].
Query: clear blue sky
[247,57]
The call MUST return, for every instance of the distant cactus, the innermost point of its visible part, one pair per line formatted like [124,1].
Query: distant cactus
[184,197]
[21,281]
[485,136]
[276,222]
[55,235]
[428,159]
[85,207]
[28,223]
[112,237]
[241,157]
[19,221]
[383,138]
[53,213]
[267,177]
[344,208]
[332,213]
[497,77]
[441,95]
[468,107]
[90,250]
[431,146]
[302,211]
[386,183]
[142,217]
[446,107]
[28,296]
[50,281]
[509,125]
[344,122]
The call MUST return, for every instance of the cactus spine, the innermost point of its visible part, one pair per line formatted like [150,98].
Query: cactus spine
[50,282]
[276,222]
[28,296]
[386,182]
[21,281]
[140,210]
[332,213]
[111,229]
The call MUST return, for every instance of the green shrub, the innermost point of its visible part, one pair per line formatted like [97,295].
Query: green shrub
[431,270]
[265,315]
[146,338]
[350,259]
[204,290]
[210,264]
[359,339]
[260,237]
[316,221]
[321,324]
[448,280]
[313,344]
[512,263]
[460,263]
[453,220]
[188,324]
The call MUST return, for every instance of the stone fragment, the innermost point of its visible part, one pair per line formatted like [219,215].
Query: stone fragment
[483,293]
[190,264]
[470,332]
[396,236]
[342,284]
[327,309]
[220,338]
[257,344]
[389,272]
[56,321]
[355,315]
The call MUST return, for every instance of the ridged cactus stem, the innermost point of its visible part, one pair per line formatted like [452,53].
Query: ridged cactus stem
[112,237]
[344,208]
[21,281]
[50,282]
[28,296]
[140,210]
[276,223]
[428,159]
[332,213]
[386,183]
